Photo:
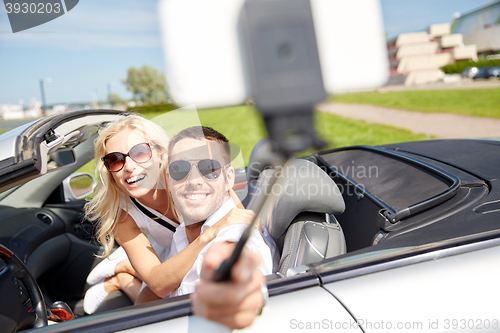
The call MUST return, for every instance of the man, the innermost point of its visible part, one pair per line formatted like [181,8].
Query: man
[235,303]
[200,179]
[201,194]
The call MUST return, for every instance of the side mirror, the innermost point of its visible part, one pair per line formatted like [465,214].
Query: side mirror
[78,186]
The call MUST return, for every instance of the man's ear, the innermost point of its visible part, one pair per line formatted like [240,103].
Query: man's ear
[229,177]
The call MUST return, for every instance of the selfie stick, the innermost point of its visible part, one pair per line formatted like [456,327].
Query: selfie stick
[223,273]
[283,67]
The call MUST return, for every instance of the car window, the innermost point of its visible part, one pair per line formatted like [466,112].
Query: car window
[394,181]
[90,168]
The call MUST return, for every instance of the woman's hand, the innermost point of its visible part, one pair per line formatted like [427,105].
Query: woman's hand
[233,303]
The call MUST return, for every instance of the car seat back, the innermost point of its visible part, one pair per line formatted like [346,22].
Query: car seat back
[261,158]
[311,238]
[301,187]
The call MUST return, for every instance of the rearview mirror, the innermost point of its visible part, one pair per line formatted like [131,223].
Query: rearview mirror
[78,186]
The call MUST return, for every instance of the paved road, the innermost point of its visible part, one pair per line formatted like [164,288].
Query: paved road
[10,124]
[442,125]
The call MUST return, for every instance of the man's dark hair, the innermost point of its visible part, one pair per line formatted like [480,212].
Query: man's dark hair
[200,133]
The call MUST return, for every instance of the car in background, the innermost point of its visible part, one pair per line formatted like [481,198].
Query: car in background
[469,72]
[421,227]
[482,73]
[494,71]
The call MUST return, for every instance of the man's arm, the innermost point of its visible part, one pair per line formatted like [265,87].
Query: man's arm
[235,303]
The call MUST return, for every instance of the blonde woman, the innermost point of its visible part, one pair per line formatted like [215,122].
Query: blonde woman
[133,207]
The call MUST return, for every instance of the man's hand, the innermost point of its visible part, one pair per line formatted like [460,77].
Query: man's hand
[234,303]
[237,216]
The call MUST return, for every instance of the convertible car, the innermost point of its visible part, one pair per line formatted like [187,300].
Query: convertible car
[402,237]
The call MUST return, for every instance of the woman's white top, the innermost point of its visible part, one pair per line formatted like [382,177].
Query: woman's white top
[159,236]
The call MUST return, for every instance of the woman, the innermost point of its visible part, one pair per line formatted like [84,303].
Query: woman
[130,157]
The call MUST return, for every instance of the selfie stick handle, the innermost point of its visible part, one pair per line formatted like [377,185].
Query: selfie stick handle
[223,273]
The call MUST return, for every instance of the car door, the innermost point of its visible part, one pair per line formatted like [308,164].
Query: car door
[295,303]
[48,233]
[310,309]
[443,290]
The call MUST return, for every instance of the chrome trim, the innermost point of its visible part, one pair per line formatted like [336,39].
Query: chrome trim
[309,241]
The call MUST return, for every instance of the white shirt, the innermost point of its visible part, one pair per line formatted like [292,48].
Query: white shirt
[228,234]
[159,236]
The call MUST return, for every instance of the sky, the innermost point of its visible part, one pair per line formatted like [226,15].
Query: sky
[91,47]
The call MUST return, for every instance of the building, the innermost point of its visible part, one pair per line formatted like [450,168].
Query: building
[416,57]
[11,111]
[480,27]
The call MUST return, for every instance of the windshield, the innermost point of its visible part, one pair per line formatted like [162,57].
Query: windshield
[9,191]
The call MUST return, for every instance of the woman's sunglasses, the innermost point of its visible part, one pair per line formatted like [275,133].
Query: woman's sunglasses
[140,153]
[208,168]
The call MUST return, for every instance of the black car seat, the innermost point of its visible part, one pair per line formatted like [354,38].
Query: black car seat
[300,217]
[261,158]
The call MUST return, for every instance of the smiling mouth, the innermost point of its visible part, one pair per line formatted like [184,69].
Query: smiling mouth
[197,196]
[135,179]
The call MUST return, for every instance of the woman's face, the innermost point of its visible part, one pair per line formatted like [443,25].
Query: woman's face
[135,179]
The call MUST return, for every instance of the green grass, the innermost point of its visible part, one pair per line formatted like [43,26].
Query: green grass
[243,126]
[473,102]
[81,182]
[89,167]
[341,132]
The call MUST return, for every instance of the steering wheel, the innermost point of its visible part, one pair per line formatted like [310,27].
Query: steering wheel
[13,313]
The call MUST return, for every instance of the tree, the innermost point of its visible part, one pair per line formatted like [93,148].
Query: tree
[147,84]
[116,99]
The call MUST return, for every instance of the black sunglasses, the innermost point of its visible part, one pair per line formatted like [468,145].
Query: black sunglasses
[208,168]
[140,153]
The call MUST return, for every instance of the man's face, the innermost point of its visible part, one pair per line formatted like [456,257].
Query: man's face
[195,196]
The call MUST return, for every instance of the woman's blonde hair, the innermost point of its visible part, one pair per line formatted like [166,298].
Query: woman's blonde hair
[108,200]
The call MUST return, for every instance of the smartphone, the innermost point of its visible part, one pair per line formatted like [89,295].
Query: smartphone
[205,63]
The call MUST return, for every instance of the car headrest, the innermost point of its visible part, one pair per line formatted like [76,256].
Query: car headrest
[301,186]
[262,157]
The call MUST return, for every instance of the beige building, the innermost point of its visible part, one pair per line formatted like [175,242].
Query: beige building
[416,57]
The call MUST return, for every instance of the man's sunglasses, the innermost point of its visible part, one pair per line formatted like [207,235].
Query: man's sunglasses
[140,153]
[208,168]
